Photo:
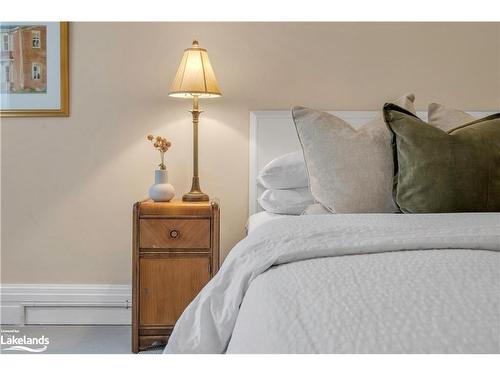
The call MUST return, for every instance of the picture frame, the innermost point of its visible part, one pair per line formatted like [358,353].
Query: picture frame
[34,70]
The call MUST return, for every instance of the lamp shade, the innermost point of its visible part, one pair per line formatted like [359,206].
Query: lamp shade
[195,76]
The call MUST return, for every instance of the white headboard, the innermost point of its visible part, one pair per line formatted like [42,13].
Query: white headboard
[272,133]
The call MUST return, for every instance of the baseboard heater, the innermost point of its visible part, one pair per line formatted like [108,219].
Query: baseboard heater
[79,313]
[65,304]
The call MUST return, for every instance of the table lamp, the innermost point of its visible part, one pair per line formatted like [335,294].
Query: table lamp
[195,79]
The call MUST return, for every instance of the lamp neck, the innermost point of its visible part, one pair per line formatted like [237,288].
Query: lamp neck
[195,111]
[195,103]
[195,195]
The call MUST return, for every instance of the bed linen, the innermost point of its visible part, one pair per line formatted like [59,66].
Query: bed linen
[286,201]
[349,305]
[260,218]
[256,220]
[443,297]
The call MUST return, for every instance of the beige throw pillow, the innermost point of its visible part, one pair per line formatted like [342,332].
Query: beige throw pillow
[446,118]
[350,170]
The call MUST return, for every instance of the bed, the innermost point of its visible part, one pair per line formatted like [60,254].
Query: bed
[350,283]
[261,218]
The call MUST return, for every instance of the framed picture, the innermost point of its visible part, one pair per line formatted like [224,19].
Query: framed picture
[34,69]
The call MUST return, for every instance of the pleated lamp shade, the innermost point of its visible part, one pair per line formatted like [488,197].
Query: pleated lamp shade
[195,76]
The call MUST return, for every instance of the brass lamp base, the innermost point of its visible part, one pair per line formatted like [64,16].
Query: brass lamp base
[195,195]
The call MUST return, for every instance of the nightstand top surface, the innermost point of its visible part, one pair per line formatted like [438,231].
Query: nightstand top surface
[176,207]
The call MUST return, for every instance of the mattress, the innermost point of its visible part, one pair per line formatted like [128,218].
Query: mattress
[353,283]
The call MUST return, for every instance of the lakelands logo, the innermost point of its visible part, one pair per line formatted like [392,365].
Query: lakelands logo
[23,343]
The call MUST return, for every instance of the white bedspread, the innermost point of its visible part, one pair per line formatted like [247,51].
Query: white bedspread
[262,218]
[375,301]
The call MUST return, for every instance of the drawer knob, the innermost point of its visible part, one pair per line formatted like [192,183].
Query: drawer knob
[174,233]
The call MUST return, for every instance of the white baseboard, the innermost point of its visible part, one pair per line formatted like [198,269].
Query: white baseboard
[91,304]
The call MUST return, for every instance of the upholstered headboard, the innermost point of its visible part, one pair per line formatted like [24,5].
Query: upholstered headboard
[272,133]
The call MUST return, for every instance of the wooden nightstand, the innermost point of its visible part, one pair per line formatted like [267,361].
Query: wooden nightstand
[175,253]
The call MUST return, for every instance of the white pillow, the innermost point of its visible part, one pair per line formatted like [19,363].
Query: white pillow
[285,172]
[287,202]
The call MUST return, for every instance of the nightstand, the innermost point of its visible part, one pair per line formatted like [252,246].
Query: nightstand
[175,253]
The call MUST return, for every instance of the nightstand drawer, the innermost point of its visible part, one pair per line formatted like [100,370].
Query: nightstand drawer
[174,233]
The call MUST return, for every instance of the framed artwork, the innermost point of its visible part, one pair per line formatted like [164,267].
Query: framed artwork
[34,69]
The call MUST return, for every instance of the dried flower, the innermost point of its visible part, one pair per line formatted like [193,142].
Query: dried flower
[162,145]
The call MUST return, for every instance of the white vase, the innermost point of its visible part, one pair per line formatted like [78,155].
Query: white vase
[161,191]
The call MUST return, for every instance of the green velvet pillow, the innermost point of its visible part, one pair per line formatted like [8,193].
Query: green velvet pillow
[438,171]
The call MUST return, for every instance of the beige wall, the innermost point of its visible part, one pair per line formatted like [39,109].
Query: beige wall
[68,184]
